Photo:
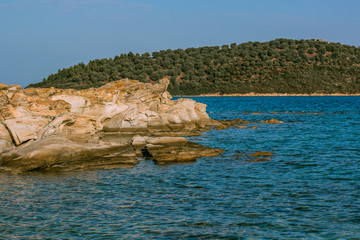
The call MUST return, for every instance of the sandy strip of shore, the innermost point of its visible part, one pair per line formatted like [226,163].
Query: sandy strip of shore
[270,95]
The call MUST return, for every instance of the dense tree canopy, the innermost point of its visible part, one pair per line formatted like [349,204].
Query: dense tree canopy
[281,66]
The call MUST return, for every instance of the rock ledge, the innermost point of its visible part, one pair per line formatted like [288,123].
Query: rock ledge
[107,127]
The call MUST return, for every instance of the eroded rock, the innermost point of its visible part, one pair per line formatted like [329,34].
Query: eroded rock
[57,153]
[67,129]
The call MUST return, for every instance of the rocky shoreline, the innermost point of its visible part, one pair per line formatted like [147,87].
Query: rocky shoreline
[108,127]
[252,94]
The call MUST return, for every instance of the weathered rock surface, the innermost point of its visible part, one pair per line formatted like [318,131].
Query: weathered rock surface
[49,129]
[57,153]
[5,139]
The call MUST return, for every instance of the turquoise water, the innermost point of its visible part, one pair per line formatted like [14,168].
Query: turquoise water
[310,189]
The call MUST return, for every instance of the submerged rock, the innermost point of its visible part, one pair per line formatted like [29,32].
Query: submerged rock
[260,157]
[259,160]
[239,123]
[233,122]
[261,153]
[272,121]
[224,124]
[67,129]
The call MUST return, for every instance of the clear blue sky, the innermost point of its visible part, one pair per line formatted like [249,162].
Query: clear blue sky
[38,37]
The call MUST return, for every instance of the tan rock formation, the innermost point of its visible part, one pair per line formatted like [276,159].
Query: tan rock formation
[57,153]
[116,106]
[40,121]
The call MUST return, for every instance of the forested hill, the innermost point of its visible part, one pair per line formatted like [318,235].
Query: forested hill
[278,66]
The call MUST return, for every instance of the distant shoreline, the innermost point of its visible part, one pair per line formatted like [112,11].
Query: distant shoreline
[272,95]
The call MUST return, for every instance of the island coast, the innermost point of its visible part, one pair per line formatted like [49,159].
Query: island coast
[252,94]
[108,127]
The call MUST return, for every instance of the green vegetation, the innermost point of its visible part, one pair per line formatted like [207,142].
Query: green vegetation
[278,66]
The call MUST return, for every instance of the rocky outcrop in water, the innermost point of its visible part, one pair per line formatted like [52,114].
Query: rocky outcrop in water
[67,129]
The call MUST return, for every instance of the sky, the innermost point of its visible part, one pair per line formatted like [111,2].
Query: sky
[38,37]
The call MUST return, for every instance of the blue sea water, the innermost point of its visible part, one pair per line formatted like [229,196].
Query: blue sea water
[310,189]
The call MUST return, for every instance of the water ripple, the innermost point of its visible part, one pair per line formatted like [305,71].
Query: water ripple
[308,190]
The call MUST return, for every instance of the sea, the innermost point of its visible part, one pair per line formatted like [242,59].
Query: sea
[308,189]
